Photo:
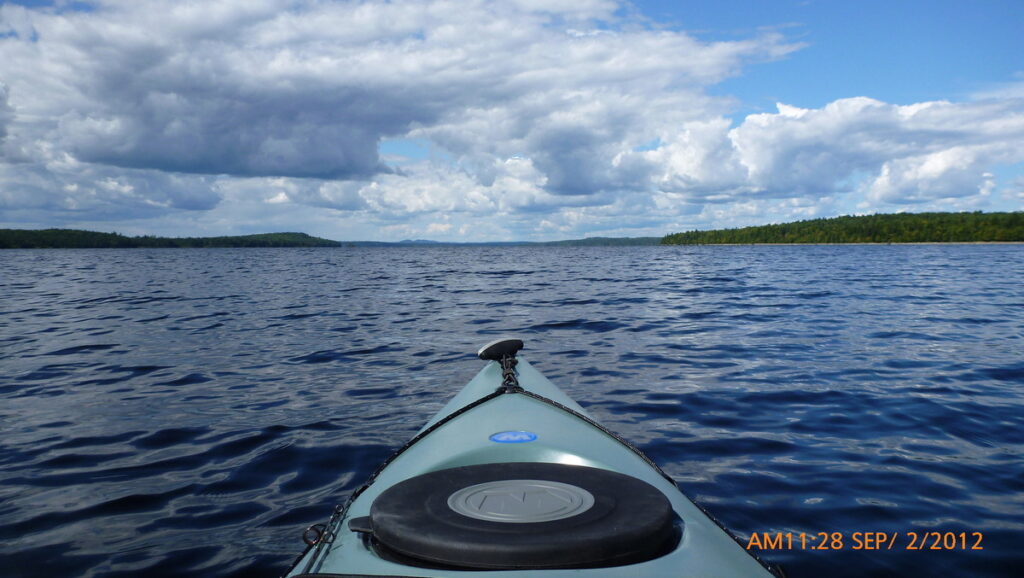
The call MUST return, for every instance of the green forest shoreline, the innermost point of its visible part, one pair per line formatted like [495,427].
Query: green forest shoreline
[903,228]
[77,239]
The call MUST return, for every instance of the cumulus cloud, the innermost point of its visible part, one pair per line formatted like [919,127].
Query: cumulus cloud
[308,88]
[897,154]
[950,173]
[64,190]
[549,117]
[1017,189]
[6,114]
[327,194]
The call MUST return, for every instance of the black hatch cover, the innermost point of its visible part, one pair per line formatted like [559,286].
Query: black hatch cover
[521,516]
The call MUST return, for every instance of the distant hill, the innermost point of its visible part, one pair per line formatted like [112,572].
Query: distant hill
[75,239]
[418,242]
[974,227]
[605,242]
[588,242]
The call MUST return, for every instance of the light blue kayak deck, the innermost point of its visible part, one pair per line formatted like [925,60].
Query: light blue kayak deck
[705,549]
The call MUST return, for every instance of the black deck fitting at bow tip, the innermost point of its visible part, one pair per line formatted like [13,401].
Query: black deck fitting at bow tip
[504,352]
[496,350]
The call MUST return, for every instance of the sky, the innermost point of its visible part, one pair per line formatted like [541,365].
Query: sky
[511,120]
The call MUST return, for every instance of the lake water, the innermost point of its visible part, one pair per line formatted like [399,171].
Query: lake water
[189,412]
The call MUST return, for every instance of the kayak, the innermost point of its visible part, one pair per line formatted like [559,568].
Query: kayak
[513,479]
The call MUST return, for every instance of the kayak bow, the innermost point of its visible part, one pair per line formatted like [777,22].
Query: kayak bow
[513,479]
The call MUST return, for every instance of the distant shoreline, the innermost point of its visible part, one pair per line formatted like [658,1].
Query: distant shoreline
[881,229]
[79,239]
[562,244]
[977,228]
[850,243]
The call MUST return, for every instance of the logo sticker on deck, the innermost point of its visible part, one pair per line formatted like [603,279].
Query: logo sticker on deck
[513,437]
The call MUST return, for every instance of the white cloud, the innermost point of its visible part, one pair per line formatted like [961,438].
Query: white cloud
[63,190]
[1016,189]
[439,227]
[307,88]
[6,114]
[1013,89]
[542,116]
[281,197]
[897,154]
[949,173]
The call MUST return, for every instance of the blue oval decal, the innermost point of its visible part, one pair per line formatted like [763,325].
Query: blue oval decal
[513,437]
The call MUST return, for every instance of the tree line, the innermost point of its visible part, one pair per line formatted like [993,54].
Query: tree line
[76,239]
[976,227]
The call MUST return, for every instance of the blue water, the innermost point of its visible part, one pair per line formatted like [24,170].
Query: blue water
[189,412]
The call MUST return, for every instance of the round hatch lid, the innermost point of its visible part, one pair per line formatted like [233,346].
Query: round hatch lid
[523,516]
[521,501]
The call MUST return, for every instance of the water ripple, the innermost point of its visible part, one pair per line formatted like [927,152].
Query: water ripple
[188,413]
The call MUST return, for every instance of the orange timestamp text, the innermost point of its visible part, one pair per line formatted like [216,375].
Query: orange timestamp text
[866,541]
